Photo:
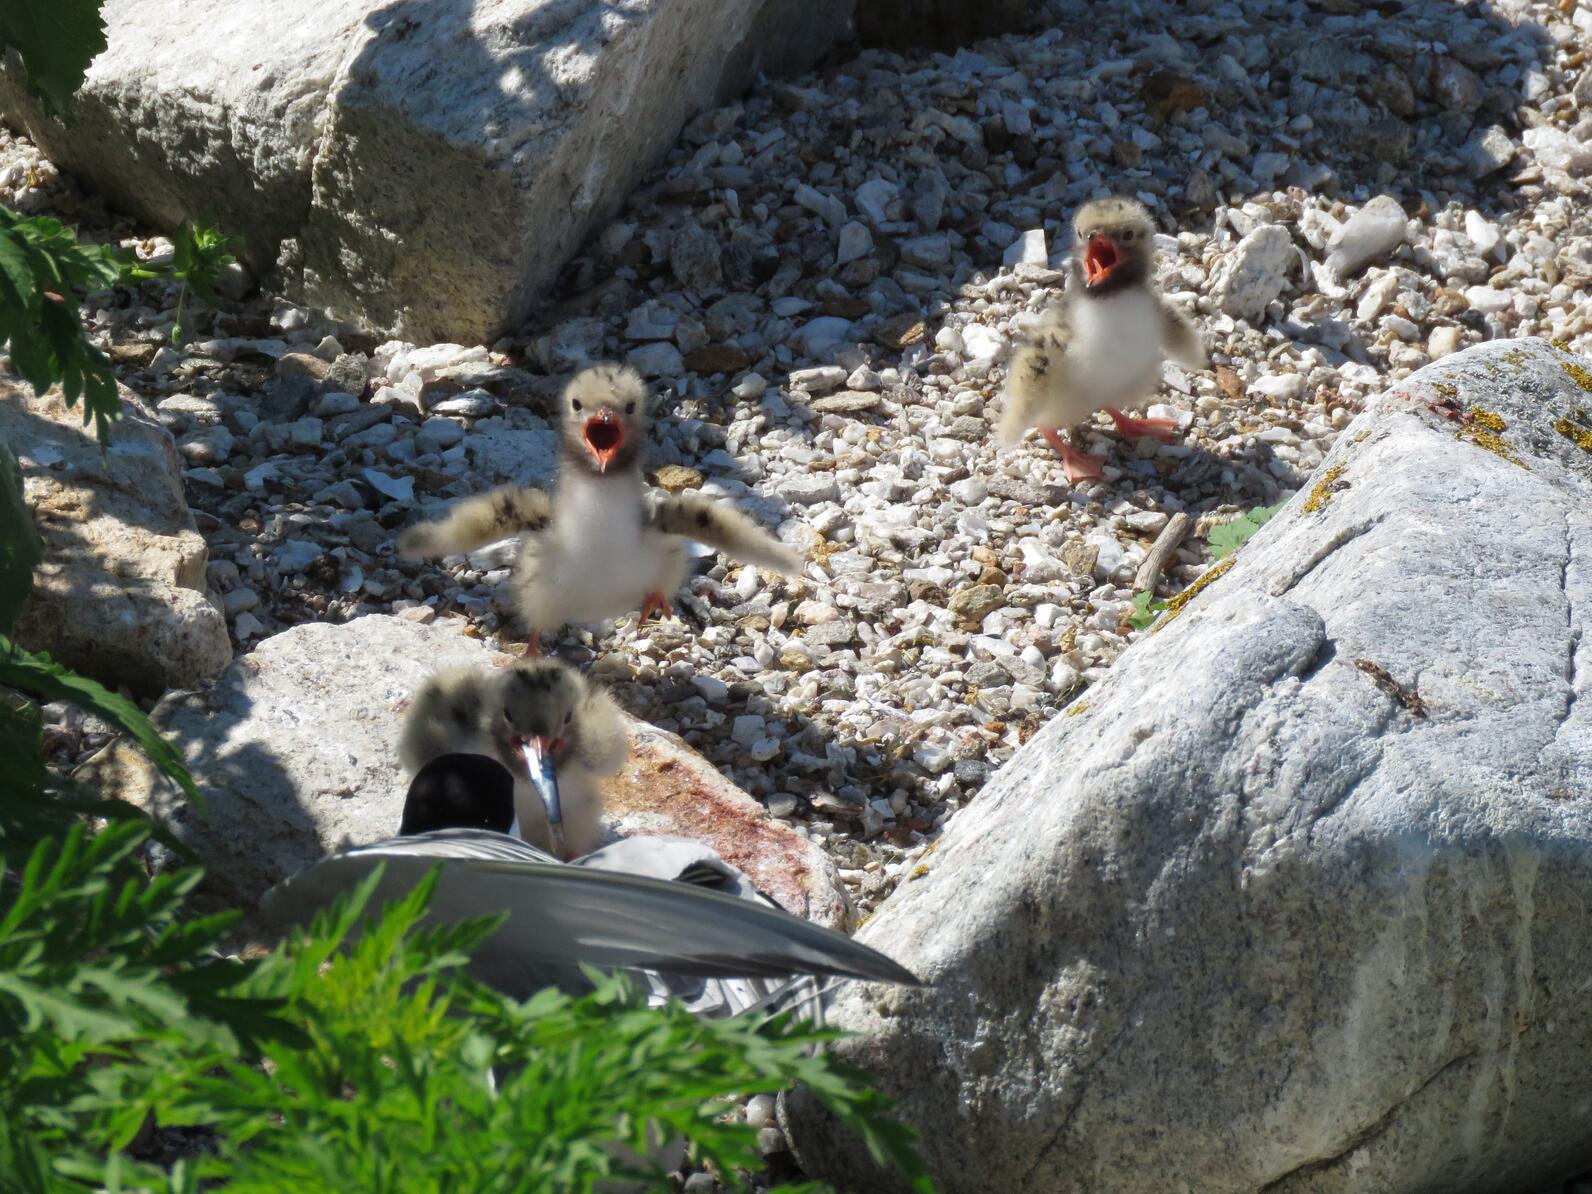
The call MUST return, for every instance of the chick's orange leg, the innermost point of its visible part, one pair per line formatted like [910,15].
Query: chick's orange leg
[652,605]
[533,645]
[1074,463]
[1164,430]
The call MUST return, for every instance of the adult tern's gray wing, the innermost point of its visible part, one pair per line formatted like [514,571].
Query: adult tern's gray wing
[683,860]
[561,916]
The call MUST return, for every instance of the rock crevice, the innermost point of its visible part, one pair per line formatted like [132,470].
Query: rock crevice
[1573,624]
[1359,1139]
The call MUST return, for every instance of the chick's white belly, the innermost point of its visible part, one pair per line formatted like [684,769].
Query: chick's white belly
[592,582]
[1115,356]
[601,559]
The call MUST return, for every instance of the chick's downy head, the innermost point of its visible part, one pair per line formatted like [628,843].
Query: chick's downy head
[605,419]
[1114,244]
[538,705]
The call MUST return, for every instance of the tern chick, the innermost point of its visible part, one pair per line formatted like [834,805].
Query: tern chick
[556,732]
[1102,346]
[599,545]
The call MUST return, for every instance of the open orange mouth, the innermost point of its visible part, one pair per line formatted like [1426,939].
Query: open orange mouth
[604,435]
[1100,259]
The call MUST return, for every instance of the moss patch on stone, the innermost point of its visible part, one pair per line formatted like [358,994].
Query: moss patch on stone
[1482,428]
[1578,433]
[1578,374]
[1177,604]
[1321,493]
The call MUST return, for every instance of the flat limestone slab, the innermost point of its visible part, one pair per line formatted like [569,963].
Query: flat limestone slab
[120,595]
[423,168]
[295,751]
[1296,898]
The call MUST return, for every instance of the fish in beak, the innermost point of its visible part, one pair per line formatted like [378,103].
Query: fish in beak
[1100,259]
[541,766]
[604,435]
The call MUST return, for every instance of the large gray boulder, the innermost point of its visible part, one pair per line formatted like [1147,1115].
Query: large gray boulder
[424,168]
[295,751]
[1296,898]
[120,595]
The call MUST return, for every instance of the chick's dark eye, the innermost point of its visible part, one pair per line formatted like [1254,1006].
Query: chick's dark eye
[630,408]
[575,402]
[569,717]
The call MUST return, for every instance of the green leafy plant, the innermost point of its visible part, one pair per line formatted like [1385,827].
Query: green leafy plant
[1146,609]
[20,551]
[57,39]
[1230,536]
[344,1062]
[41,264]
[199,254]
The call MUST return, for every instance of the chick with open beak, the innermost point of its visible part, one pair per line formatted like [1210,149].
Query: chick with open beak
[556,732]
[1114,244]
[600,545]
[1102,346]
[603,435]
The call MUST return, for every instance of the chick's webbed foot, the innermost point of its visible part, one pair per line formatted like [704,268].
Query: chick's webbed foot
[1077,466]
[1164,430]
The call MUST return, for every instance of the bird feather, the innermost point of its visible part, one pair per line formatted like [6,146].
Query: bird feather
[562,917]
[1038,379]
[1182,342]
[473,521]
[723,528]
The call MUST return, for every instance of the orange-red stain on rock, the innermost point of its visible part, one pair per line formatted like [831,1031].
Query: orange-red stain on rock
[667,788]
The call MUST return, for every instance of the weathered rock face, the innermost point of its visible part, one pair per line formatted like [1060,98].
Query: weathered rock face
[667,788]
[120,595]
[295,751]
[424,168]
[1295,899]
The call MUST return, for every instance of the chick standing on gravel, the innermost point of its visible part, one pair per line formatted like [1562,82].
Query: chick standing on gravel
[599,546]
[1102,346]
[556,732]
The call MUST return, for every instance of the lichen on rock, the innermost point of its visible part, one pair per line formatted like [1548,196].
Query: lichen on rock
[1321,492]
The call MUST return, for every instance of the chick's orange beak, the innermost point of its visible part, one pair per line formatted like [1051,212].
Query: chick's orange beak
[604,435]
[1100,259]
